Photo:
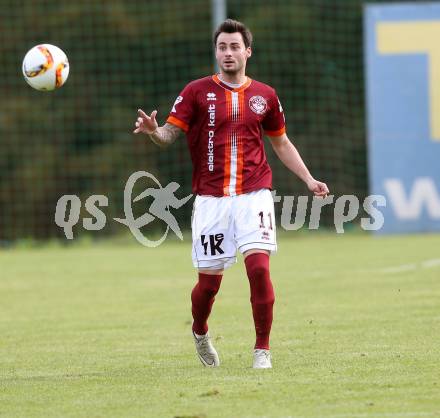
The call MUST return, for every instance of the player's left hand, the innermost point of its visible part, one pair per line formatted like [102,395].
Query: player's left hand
[318,188]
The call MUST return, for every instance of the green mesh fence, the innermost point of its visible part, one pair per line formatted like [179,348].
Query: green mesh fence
[126,55]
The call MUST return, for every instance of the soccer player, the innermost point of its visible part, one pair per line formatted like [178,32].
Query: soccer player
[224,117]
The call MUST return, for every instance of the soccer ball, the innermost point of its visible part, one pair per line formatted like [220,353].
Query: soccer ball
[45,67]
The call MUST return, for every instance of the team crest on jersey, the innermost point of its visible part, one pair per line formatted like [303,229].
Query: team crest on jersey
[258,105]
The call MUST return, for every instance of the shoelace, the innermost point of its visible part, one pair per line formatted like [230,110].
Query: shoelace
[204,344]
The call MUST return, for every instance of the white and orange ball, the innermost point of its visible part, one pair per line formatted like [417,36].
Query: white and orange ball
[45,67]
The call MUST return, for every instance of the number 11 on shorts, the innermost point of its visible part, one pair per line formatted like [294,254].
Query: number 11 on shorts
[262,225]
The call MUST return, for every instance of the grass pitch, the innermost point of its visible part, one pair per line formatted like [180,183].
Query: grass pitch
[104,331]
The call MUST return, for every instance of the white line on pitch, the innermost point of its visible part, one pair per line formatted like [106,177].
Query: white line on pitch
[435,262]
[427,264]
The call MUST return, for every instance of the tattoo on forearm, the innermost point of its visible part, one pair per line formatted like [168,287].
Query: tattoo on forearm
[165,135]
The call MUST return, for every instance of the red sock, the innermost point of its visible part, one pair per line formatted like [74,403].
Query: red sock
[262,296]
[202,297]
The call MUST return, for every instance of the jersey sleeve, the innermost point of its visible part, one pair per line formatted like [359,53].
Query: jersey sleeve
[274,123]
[183,108]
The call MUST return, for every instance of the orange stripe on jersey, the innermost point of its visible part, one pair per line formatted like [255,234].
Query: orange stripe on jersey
[276,133]
[241,105]
[228,95]
[239,185]
[179,123]
[227,169]
[245,85]
[216,79]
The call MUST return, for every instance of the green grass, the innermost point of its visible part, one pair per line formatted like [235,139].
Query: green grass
[104,331]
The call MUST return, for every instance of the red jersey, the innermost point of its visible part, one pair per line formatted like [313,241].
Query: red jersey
[224,128]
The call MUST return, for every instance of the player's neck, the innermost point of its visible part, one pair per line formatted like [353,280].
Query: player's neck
[238,78]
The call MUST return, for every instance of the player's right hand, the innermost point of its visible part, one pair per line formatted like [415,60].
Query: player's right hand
[146,124]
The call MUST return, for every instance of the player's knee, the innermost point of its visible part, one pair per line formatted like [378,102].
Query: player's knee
[264,296]
[210,291]
[270,298]
[258,272]
[259,278]
[257,266]
[210,285]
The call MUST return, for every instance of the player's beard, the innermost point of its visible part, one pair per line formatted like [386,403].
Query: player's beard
[233,70]
[230,71]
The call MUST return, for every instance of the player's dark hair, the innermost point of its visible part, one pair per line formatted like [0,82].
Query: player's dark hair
[232,26]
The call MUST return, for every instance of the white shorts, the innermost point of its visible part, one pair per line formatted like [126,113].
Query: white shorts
[221,225]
